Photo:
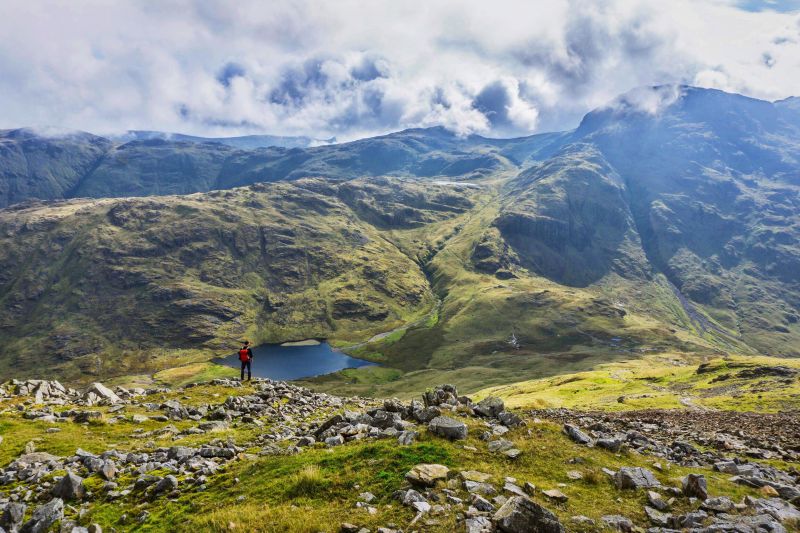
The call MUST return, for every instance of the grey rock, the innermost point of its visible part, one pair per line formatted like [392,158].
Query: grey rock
[410,496]
[103,392]
[426,475]
[85,416]
[618,522]
[332,421]
[689,520]
[215,451]
[166,485]
[421,507]
[500,445]
[336,440]
[720,504]
[490,407]
[522,515]
[44,517]
[775,507]
[478,524]
[555,495]
[447,427]
[635,478]
[695,486]
[513,453]
[479,487]
[406,437]
[576,434]
[482,504]
[70,487]
[510,420]
[612,445]
[656,501]
[426,414]
[12,516]
[180,452]
[656,517]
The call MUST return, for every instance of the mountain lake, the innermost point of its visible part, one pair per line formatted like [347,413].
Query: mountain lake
[295,360]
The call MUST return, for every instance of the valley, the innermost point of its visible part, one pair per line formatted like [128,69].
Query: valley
[602,327]
[633,235]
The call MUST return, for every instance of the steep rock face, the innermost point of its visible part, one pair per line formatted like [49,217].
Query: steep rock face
[701,189]
[45,166]
[568,220]
[155,167]
[277,261]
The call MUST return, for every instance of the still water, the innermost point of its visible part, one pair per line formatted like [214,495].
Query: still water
[295,361]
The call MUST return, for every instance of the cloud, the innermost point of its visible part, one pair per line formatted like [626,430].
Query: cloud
[648,100]
[352,68]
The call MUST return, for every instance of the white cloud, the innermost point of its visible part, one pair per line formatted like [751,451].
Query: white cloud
[353,68]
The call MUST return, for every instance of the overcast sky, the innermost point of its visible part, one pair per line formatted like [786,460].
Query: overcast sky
[355,68]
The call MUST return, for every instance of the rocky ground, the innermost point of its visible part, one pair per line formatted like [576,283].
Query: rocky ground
[218,427]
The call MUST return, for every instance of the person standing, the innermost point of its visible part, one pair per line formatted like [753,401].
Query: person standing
[246,357]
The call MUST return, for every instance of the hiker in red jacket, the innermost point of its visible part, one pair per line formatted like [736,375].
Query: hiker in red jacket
[245,356]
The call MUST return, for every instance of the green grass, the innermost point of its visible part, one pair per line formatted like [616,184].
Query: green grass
[194,373]
[659,382]
[317,490]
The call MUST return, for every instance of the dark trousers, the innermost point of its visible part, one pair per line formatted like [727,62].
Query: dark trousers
[247,365]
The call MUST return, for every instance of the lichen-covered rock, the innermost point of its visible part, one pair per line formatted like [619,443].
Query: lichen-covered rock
[491,407]
[70,488]
[447,427]
[576,434]
[44,517]
[635,478]
[426,475]
[694,485]
[522,515]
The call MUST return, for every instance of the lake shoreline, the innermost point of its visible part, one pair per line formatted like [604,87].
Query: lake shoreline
[295,360]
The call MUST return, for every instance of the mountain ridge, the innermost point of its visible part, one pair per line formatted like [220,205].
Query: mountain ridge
[666,228]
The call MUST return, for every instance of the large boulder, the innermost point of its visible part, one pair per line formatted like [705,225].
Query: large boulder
[522,515]
[70,487]
[576,434]
[635,478]
[44,517]
[165,485]
[12,516]
[426,475]
[447,427]
[426,414]
[102,392]
[491,407]
[775,507]
[694,485]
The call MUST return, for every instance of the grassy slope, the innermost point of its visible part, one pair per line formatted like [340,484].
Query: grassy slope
[415,243]
[126,287]
[663,381]
[560,328]
[317,489]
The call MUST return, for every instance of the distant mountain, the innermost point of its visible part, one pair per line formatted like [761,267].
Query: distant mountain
[33,165]
[90,166]
[245,142]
